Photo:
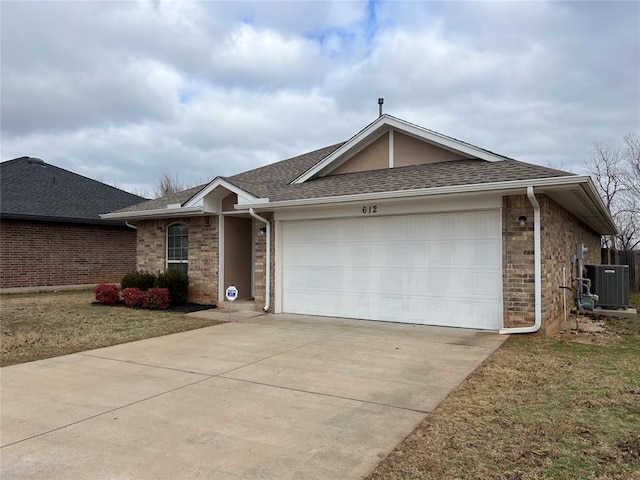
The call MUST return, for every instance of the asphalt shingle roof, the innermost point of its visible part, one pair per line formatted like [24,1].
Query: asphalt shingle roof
[262,181]
[33,189]
[274,181]
[443,174]
[162,202]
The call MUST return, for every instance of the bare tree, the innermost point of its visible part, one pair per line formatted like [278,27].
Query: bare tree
[632,157]
[616,173]
[167,185]
[141,192]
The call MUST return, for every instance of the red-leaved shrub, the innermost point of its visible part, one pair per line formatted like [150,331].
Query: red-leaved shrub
[133,297]
[156,299]
[107,293]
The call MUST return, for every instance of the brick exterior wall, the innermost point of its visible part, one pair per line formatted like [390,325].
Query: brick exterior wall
[518,280]
[560,232]
[203,253]
[260,257]
[37,254]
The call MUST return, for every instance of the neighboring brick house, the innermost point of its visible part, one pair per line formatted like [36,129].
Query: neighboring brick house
[399,223]
[51,233]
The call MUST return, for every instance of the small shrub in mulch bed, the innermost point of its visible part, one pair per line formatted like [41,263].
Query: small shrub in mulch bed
[133,297]
[177,283]
[156,299]
[140,280]
[107,293]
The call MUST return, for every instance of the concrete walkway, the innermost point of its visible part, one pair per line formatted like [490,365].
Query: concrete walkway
[267,397]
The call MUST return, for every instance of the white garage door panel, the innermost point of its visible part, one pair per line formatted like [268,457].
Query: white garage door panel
[392,281]
[441,269]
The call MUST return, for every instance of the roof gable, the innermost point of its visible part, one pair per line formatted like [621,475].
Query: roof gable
[383,132]
[33,189]
[394,149]
[214,192]
[428,165]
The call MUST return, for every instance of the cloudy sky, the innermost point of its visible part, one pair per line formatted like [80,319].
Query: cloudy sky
[124,92]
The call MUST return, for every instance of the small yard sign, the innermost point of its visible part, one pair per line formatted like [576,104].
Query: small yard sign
[231,293]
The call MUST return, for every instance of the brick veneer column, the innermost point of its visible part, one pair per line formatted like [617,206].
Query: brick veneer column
[518,273]
[560,232]
[260,242]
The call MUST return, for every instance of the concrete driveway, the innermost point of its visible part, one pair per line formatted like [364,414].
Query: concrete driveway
[268,397]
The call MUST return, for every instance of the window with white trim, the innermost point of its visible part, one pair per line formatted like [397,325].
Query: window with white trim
[178,247]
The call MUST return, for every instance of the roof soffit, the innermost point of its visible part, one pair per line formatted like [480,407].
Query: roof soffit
[583,201]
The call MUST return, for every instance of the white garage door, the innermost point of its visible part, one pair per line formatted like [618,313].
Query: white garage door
[437,269]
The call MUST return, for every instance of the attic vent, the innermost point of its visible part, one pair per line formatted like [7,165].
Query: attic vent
[37,161]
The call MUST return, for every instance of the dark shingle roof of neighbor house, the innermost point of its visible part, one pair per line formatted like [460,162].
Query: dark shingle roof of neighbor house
[35,190]
[274,181]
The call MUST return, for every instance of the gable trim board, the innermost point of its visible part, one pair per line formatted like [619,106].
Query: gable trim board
[359,229]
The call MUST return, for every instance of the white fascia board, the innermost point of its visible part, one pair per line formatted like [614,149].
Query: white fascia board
[247,199]
[592,192]
[157,213]
[215,183]
[405,127]
[423,192]
[244,206]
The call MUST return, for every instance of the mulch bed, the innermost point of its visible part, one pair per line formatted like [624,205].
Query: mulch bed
[191,307]
[184,308]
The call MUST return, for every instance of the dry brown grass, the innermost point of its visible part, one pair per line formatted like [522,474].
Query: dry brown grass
[560,408]
[37,326]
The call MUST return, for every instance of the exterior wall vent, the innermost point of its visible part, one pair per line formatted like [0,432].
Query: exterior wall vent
[611,284]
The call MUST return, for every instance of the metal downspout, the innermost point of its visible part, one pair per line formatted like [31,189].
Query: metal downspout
[267,267]
[538,270]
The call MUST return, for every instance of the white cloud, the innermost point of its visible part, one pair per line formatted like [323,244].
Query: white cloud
[129,90]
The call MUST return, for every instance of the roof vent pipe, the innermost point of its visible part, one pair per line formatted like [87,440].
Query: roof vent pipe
[380,102]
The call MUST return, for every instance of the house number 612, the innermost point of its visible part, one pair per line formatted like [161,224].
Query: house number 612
[370,209]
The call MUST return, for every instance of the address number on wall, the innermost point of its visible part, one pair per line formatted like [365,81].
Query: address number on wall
[367,209]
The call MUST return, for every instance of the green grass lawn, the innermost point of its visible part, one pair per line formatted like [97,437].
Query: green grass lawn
[539,408]
[43,325]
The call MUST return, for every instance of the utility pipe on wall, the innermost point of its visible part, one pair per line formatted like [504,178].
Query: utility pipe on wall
[564,293]
[538,269]
[267,267]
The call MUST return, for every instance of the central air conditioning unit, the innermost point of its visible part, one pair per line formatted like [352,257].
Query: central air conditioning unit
[611,284]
